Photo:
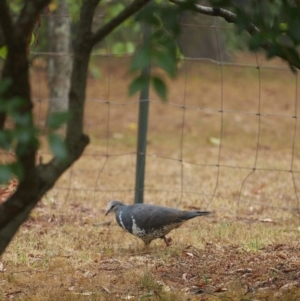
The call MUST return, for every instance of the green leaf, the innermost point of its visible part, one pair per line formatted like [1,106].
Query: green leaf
[165,61]
[293,30]
[130,47]
[32,40]
[17,169]
[255,41]
[136,27]
[283,26]
[58,147]
[24,135]
[6,139]
[6,173]
[4,85]
[119,48]
[146,15]
[56,120]
[170,19]
[95,71]
[138,84]
[12,107]
[25,142]
[160,87]
[3,52]
[141,59]
[115,9]
[23,120]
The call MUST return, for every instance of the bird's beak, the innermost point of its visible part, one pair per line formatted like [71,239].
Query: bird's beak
[107,211]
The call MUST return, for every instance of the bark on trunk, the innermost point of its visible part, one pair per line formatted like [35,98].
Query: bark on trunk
[60,63]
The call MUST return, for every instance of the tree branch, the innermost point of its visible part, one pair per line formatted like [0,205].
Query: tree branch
[25,22]
[131,9]
[231,17]
[2,39]
[28,17]
[6,32]
[82,51]
[227,15]
[6,23]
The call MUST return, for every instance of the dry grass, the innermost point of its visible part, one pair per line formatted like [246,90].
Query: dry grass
[247,250]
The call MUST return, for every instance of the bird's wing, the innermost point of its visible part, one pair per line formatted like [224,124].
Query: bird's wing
[150,217]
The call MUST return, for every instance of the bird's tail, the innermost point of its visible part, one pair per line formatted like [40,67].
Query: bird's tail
[192,214]
[199,213]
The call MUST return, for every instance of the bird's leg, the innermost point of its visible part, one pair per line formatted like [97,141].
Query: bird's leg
[167,240]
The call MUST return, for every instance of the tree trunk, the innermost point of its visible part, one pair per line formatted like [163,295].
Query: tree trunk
[59,63]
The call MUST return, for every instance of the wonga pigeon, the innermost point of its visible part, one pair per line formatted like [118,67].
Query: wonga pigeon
[149,222]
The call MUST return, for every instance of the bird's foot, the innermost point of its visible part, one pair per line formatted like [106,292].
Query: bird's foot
[167,240]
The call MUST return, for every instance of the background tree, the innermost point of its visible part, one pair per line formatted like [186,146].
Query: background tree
[59,66]
[277,33]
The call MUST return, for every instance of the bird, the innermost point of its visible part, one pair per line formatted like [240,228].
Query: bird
[149,222]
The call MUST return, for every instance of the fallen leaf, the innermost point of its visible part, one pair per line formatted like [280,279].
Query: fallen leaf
[2,269]
[220,289]
[259,189]
[266,220]
[184,277]
[104,224]
[296,263]
[279,246]
[106,289]
[281,255]
[10,295]
[242,271]
[132,126]
[214,141]
[201,284]
[51,219]
[6,192]
[129,297]
[289,285]
[118,136]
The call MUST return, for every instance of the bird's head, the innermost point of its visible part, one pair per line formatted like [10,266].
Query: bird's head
[113,206]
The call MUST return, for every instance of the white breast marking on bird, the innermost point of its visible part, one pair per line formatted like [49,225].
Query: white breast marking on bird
[121,222]
[136,230]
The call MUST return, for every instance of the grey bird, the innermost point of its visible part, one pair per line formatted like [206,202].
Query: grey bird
[149,222]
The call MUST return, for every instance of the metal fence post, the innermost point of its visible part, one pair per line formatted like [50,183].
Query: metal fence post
[142,125]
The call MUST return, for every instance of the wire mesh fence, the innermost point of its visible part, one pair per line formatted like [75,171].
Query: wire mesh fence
[226,139]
